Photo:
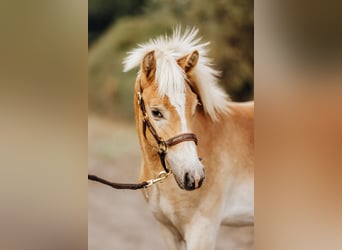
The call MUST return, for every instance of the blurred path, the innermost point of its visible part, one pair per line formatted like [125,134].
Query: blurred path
[121,219]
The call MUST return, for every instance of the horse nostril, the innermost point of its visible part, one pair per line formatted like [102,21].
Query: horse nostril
[189,183]
[200,182]
[186,179]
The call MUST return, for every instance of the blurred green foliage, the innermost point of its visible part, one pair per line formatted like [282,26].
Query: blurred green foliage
[101,13]
[227,24]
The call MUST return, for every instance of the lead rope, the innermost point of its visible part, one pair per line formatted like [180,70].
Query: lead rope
[160,178]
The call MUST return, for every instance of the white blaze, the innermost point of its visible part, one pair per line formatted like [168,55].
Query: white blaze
[183,158]
[179,103]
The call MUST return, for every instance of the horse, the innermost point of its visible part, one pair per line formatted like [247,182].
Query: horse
[189,128]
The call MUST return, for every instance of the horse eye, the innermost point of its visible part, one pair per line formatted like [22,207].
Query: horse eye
[156,113]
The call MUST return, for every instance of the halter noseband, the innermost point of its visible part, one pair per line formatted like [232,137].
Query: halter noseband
[162,144]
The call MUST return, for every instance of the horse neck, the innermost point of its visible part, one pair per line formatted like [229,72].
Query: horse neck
[207,129]
[232,135]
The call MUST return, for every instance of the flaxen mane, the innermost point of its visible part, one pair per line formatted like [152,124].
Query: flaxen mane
[170,76]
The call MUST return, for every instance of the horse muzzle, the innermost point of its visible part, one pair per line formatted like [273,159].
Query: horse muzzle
[191,182]
[190,179]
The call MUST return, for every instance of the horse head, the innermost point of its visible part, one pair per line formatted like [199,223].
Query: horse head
[176,82]
[169,111]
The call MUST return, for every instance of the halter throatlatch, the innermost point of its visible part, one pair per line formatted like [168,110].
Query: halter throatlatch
[162,144]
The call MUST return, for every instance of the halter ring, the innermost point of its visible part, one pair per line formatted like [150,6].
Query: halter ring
[162,146]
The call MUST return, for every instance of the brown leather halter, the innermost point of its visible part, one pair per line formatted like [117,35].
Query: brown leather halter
[162,151]
[162,144]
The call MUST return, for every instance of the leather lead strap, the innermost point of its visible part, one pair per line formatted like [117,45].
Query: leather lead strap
[118,185]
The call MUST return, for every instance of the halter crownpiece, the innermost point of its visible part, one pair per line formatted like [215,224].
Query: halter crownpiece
[163,145]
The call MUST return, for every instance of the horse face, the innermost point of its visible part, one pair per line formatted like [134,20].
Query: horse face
[172,115]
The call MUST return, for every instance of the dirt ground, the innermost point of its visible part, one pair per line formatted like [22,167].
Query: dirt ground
[121,219]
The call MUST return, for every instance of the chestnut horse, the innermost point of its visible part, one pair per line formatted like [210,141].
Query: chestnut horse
[188,126]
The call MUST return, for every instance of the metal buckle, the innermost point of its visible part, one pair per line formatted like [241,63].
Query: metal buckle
[160,178]
[139,97]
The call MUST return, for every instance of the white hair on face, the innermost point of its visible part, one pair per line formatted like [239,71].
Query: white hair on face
[170,76]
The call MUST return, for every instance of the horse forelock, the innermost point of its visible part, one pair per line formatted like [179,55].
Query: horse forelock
[170,77]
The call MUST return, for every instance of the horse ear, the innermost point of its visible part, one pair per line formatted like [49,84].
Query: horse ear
[188,62]
[149,65]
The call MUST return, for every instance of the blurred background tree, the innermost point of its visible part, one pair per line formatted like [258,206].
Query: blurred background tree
[116,26]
